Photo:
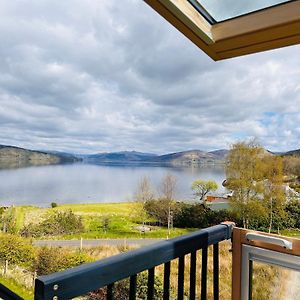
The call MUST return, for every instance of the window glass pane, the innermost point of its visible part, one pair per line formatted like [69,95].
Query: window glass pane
[221,10]
[274,282]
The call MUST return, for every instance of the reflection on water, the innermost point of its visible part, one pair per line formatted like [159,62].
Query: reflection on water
[81,183]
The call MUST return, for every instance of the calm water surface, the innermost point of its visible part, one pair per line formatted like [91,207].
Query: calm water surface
[83,183]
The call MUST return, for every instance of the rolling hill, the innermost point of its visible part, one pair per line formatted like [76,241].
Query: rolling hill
[292,153]
[121,157]
[192,157]
[14,157]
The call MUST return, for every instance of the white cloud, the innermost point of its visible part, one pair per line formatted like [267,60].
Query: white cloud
[96,76]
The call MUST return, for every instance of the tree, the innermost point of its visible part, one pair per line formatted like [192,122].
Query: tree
[143,194]
[202,187]
[144,191]
[293,211]
[273,191]
[168,186]
[291,165]
[168,189]
[244,172]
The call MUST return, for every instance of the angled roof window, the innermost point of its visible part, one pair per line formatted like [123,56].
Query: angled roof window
[221,10]
[231,28]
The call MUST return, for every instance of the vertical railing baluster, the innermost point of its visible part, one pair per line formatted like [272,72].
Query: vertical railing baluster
[151,273]
[193,275]
[110,293]
[204,274]
[216,270]
[167,269]
[132,288]
[180,293]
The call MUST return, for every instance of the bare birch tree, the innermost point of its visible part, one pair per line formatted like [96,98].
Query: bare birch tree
[144,193]
[168,189]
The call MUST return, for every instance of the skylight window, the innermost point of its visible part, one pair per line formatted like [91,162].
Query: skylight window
[230,28]
[221,10]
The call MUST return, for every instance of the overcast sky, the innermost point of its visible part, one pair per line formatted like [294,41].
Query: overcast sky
[109,75]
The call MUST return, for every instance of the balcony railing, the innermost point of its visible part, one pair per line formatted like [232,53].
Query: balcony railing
[106,272]
[7,294]
[86,278]
[180,256]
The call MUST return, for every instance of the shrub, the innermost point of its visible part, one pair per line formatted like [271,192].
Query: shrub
[8,220]
[105,223]
[201,216]
[54,204]
[50,260]
[216,217]
[57,224]
[16,250]
[192,215]
[121,289]
[142,287]
[159,209]
[293,211]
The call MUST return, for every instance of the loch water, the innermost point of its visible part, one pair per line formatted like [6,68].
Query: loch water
[87,183]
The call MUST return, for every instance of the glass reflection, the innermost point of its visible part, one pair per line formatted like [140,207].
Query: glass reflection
[226,9]
[274,283]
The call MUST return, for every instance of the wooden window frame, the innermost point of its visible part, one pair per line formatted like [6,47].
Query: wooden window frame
[267,29]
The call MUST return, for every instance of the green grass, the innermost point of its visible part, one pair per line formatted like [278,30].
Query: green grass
[20,213]
[291,232]
[123,217]
[18,289]
[100,208]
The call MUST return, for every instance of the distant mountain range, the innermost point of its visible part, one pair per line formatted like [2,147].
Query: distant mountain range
[192,157]
[292,153]
[123,156]
[13,157]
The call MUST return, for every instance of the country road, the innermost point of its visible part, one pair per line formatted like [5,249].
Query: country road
[96,242]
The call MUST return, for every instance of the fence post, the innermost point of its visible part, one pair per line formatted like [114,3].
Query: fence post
[33,279]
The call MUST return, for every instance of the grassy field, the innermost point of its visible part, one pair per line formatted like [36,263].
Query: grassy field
[291,232]
[122,218]
[17,288]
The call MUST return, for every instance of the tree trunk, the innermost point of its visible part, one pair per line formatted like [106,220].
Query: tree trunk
[169,220]
[244,222]
[271,217]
